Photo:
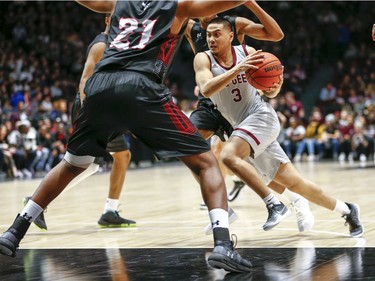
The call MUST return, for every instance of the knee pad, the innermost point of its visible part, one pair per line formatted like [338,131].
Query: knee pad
[79,161]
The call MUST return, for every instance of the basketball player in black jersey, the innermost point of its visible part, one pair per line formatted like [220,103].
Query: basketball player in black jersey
[118,147]
[206,118]
[126,92]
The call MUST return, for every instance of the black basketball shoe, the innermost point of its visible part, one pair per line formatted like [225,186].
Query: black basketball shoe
[11,238]
[224,256]
[113,219]
[352,219]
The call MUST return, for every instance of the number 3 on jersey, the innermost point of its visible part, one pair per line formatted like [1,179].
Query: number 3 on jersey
[128,27]
[236,94]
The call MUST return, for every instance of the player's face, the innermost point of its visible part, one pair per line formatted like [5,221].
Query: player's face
[219,38]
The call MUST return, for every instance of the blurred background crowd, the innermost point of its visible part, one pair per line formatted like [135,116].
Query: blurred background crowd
[326,106]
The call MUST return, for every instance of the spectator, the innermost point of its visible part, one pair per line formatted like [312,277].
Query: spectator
[346,128]
[360,143]
[22,142]
[45,143]
[7,164]
[312,139]
[331,137]
[295,106]
[328,93]
[295,133]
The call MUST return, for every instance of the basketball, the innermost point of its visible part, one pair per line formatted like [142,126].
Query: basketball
[269,72]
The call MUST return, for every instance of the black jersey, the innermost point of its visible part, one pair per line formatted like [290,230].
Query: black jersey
[100,38]
[198,35]
[140,38]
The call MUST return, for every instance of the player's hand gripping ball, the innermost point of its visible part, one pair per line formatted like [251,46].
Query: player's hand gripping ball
[267,74]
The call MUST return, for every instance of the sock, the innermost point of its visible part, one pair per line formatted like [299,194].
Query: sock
[271,199]
[341,208]
[219,218]
[31,211]
[111,205]
[290,195]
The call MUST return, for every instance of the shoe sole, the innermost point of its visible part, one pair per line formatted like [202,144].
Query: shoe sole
[269,227]
[232,218]
[117,225]
[6,251]
[220,262]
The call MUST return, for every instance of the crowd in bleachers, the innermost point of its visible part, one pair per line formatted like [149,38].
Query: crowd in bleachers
[42,53]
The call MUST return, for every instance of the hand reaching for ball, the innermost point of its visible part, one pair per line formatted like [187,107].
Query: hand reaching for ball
[274,90]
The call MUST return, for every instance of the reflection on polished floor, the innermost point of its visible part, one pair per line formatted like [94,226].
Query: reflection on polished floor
[169,242]
[189,264]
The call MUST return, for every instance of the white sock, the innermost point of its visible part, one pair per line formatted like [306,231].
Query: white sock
[290,195]
[219,218]
[341,208]
[31,211]
[271,199]
[111,205]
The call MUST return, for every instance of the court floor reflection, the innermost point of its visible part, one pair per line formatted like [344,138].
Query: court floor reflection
[188,264]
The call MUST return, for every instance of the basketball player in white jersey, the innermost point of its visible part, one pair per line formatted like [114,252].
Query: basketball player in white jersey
[220,75]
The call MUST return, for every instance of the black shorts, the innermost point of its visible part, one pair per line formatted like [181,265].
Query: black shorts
[207,117]
[116,145]
[123,101]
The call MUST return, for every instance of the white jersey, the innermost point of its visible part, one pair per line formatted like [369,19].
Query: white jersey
[238,99]
[253,119]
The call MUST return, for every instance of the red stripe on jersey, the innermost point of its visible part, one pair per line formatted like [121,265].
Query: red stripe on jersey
[249,134]
[179,119]
[167,49]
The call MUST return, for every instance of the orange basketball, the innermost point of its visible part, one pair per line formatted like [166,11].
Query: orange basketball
[269,72]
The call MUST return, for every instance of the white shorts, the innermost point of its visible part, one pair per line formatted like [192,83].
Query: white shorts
[259,129]
[268,163]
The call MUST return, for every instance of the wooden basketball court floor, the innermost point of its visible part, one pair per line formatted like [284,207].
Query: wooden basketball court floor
[169,241]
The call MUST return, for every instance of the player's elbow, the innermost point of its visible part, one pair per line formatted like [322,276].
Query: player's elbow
[278,36]
[206,92]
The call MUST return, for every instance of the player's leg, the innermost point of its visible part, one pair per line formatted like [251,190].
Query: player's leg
[50,187]
[235,151]
[181,139]
[288,176]
[213,189]
[212,125]
[217,146]
[89,137]
[267,165]
[110,216]
[300,205]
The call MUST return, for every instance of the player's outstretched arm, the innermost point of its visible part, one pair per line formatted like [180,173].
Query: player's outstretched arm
[198,9]
[204,8]
[268,29]
[105,6]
